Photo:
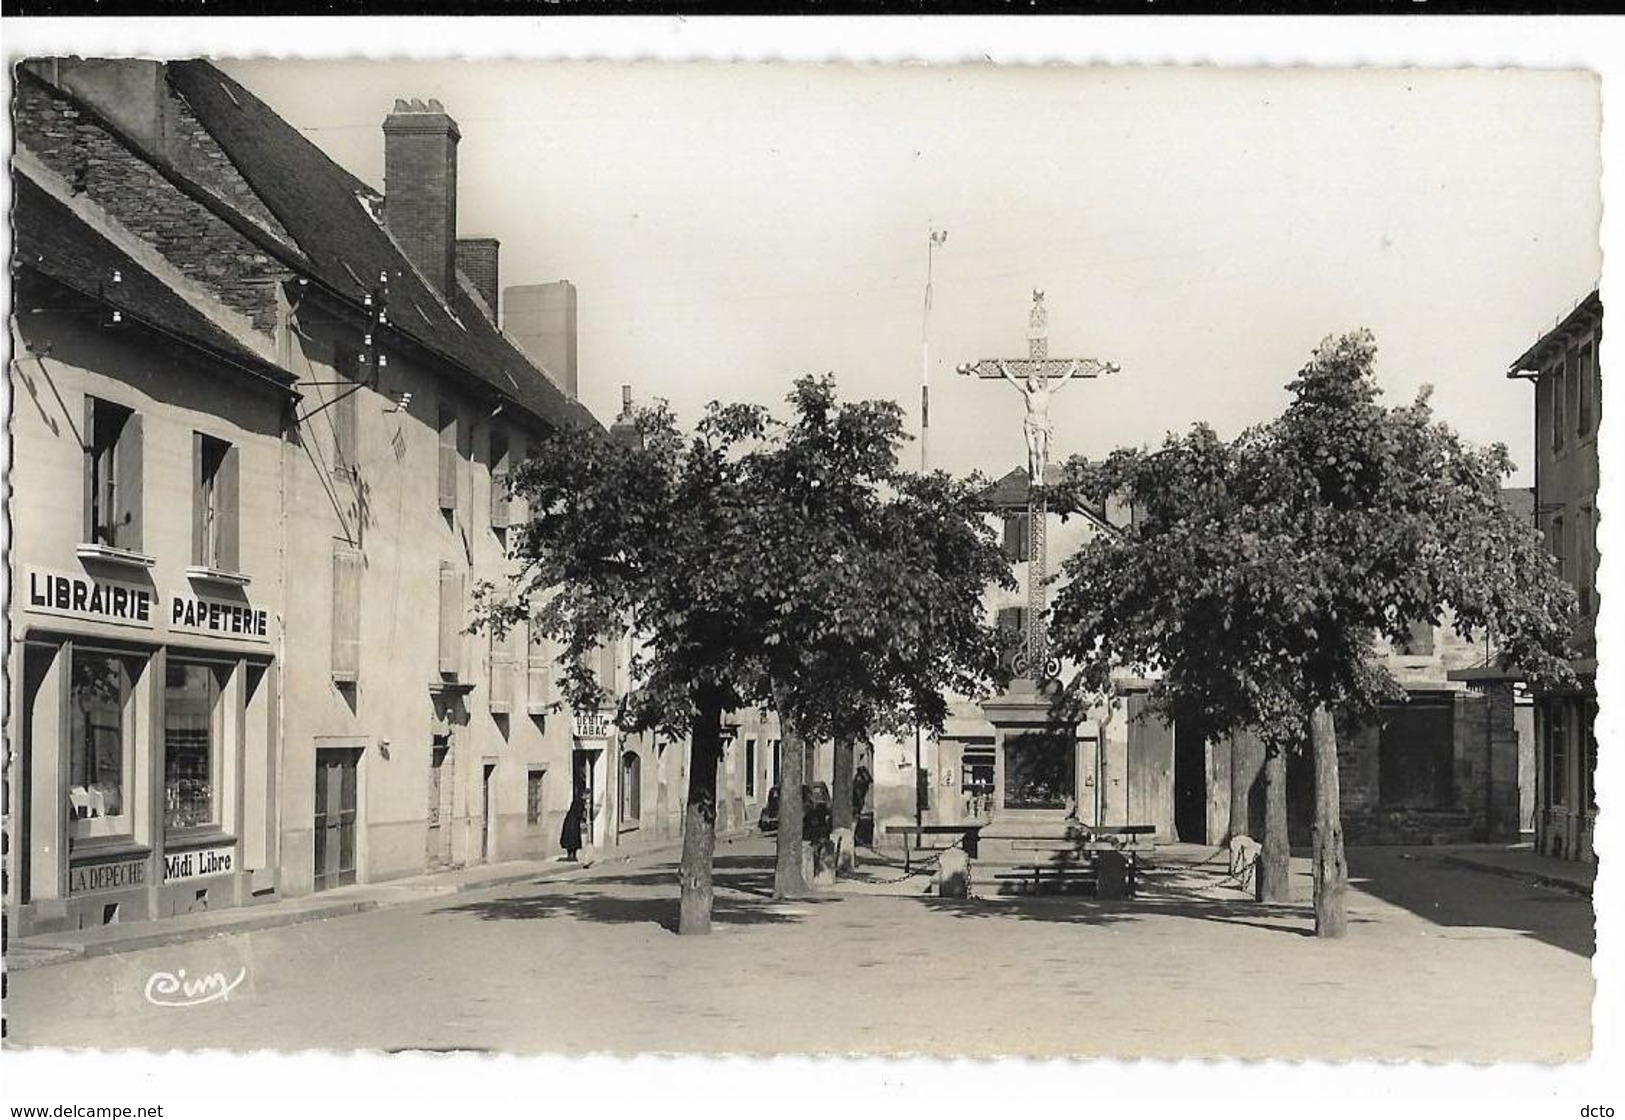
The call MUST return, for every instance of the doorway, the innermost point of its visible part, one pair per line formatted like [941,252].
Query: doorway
[487,824]
[1190,783]
[585,770]
[335,821]
[438,844]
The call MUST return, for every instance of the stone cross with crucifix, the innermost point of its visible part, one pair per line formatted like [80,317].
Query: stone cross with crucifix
[1038,377]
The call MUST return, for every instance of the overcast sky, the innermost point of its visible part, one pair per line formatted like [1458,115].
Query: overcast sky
[730,227]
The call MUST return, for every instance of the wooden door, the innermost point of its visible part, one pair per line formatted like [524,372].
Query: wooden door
[335,823]
[1150,769]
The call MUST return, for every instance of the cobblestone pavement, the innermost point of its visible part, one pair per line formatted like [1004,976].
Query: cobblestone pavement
[1436,959]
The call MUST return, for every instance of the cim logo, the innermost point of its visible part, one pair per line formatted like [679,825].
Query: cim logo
[175,989]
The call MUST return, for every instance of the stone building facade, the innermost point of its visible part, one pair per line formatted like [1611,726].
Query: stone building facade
[1564,366]
[240,666]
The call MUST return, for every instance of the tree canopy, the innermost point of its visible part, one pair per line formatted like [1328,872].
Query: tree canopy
[1256,575]
[1257,572]
[757,562]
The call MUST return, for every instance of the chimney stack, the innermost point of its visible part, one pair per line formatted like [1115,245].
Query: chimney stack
[625,431]
[541,318]
[420,187]
[477,260]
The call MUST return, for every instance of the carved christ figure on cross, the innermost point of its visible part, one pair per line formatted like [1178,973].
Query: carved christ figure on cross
[1037,392]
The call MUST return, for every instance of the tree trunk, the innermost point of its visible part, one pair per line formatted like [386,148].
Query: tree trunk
[1331,868]
[840,785]
[1245,764]
[700,820]
[788,881]
[1274,876]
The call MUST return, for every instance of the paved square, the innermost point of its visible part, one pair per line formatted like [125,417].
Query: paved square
[1435,957]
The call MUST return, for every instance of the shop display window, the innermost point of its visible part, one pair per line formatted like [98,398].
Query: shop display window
[191,741]
[101,748]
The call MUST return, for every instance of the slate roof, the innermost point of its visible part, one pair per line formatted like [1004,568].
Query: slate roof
[322,207]
[52,240]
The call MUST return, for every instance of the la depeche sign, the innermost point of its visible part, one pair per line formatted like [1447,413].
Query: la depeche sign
[93,877]
[199,864]
[128,604]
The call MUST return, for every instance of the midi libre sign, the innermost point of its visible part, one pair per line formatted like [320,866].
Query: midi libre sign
[199,864]
[71,595]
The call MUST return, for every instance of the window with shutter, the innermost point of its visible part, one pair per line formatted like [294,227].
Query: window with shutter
[538,674]
[499,479]
[606,665]
[341,411]
[113,461]
[1587,388]
[346,613]
[1559,399]
[451,621]
[502,673]
[214,503]
[448,457]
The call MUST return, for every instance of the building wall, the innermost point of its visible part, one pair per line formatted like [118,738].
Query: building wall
[385,505]
[1566,474]
[61,357]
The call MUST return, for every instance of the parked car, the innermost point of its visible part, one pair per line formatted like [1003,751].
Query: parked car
[815,812]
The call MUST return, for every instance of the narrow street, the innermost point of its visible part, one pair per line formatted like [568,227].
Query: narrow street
[1189,968]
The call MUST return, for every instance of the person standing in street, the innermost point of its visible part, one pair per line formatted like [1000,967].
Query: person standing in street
[570,834]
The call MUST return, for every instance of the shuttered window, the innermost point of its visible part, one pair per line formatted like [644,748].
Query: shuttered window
[451,621]
[448,457]
[214,503]
[607,679]
[341,412]
[499,479]
[502,673]
[538,674]
[347,563]
[1587,388]
[1559,398]
[113,461]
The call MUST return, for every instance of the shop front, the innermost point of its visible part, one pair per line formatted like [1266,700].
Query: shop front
[144,752]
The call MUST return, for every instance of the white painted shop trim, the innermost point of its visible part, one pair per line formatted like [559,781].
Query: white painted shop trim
[204,574]
[107,554]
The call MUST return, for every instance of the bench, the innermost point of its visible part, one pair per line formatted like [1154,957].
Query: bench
[1063,871]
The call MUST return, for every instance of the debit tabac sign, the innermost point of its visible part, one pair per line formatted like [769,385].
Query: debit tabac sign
[593,725]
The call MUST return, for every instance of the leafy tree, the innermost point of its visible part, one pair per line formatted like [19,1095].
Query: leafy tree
[871,603]
[655,536]
[758,563]
[1258,573]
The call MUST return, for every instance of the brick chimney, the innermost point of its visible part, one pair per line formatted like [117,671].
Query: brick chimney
[625,430]
[541,318]
[477,260]
[420,187]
